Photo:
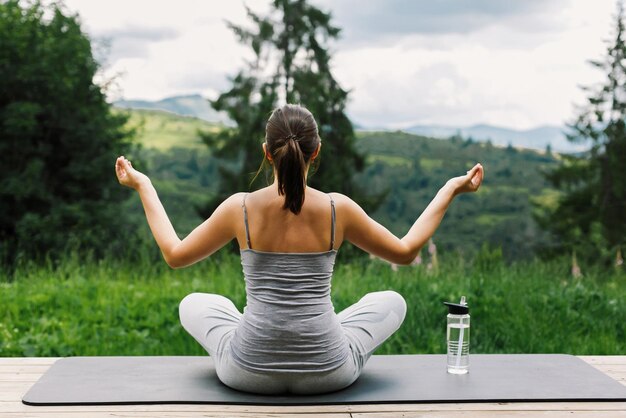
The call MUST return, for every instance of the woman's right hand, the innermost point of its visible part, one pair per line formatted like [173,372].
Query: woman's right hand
[469,182]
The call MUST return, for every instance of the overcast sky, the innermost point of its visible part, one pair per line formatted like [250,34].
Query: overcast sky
[516,63]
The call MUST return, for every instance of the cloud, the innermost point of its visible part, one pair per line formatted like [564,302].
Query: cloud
[415,61]
[383,21]
[200,79]
[143,33]
[430,93]
[131,41]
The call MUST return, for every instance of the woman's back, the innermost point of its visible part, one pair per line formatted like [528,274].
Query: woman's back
[273,229]
[289,323]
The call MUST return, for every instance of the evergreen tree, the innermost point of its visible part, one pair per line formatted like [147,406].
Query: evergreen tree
[58,139]
[291,65]
[590,214]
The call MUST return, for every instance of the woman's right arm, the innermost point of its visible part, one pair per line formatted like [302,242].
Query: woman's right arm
[370,236]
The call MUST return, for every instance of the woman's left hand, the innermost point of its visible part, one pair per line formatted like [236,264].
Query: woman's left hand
[127,175]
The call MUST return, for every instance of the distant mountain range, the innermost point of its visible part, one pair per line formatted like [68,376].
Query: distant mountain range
[538,138]
[192,105]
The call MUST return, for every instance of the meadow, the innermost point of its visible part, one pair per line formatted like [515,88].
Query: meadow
[113,307]
[83,306]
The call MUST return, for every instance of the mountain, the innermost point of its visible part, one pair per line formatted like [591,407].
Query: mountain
[192,105]
[537,138]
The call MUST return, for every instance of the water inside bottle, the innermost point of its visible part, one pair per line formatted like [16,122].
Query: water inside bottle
[456,365]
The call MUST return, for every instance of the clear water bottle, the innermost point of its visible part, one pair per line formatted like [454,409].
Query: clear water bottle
[457,337]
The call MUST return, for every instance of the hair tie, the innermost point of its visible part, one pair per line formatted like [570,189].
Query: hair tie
[293,137]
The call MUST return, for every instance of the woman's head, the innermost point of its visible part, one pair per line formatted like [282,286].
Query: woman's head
[291,142]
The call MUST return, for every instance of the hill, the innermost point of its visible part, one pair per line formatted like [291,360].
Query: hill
[191,105]
[413,168]
[410,167]
[163,130]
[537,138]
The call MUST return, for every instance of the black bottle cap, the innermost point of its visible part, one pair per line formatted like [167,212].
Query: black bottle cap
[457,308]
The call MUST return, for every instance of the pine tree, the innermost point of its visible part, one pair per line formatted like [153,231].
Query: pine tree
[590,213]
[58,140]
[291,65]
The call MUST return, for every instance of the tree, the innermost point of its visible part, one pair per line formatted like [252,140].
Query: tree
[58,139]
[291,65]
[590,214]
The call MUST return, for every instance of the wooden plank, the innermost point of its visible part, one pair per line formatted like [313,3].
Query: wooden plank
[148,414]
[13,391]
[617,376]
[18,407]
[24,368]
[499,414]
[46,361]
[612,368]
[17,377]
[499,406]
[439,414]
[604,359]
[6,386]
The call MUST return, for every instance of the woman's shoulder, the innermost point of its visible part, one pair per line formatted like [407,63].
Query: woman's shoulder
[342,199]
[236,197]
[345,205]
[233,201]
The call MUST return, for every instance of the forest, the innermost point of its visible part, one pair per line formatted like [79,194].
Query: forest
[408,169]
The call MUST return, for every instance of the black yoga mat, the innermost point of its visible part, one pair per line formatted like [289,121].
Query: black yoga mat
[385,379]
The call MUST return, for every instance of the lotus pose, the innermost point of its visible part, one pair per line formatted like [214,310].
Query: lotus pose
[289,338]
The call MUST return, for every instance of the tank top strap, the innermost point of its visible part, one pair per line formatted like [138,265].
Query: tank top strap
[332,225]
[245,219]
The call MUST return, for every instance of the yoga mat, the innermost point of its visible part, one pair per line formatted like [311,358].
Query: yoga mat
[385,379]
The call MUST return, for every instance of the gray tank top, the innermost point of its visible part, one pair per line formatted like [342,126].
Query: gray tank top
[289,323]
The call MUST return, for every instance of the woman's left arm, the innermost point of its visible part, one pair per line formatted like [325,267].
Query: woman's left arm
[203,241]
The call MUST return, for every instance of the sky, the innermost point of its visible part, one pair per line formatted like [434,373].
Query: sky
[517,64]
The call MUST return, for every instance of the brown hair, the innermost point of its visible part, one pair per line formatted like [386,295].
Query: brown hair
[291,136]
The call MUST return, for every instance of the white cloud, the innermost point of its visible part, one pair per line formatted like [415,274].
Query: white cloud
[162,48]
[494,75]
[517,67]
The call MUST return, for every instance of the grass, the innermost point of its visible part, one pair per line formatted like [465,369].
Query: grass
[163,130]
[391,160]
[112,307]
[430,164]
[492,218]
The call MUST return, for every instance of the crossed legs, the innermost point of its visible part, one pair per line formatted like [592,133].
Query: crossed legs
[211,320]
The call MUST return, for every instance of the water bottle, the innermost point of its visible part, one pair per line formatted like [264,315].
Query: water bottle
[457,337]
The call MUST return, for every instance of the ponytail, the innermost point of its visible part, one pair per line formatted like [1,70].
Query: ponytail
[290,166]
[291,136]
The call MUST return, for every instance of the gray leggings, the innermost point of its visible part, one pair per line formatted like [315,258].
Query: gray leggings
[211,320]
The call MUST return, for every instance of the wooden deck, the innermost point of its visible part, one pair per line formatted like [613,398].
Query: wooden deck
[17,375]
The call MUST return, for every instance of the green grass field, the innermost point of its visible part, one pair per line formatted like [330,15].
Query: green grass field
[163,130]
[84,307]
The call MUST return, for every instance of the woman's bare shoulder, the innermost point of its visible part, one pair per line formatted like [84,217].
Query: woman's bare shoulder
[347,207]
[344,202]
[233,201]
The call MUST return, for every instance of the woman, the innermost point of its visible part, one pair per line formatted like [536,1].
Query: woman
[289,338]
